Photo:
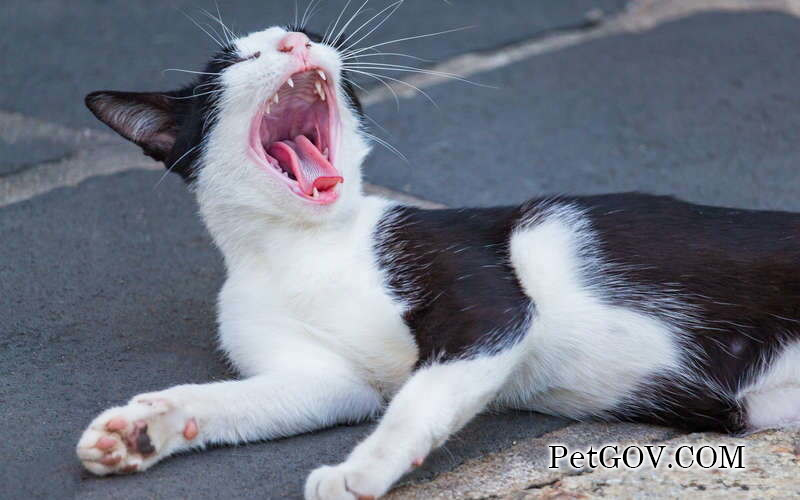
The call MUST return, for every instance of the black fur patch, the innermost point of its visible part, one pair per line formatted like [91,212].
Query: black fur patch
[728,280]
[739,270]
[452,269]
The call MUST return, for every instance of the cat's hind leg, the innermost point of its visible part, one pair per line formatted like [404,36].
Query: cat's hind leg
[773,400]
[281,402]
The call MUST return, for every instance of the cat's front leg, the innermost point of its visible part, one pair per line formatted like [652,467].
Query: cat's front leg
[315,392]
[435,402]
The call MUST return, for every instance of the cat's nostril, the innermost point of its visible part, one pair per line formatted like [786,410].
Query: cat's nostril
[294,42]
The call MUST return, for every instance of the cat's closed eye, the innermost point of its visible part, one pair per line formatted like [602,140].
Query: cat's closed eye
[237,60]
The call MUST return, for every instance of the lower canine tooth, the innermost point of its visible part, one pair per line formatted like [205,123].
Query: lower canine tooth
[315,194]
[275,98]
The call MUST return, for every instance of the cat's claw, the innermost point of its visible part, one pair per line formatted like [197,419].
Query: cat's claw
[132,438]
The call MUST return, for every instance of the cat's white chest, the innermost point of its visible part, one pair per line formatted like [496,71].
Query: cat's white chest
[325,287]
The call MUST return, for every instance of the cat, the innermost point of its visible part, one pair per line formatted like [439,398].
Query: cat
[623,307]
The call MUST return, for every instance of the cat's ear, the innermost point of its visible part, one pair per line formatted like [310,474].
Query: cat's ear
[147,119]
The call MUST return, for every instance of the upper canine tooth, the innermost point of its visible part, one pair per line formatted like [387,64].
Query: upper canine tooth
[290,82]
[318,86]
[322,74]
[275,98]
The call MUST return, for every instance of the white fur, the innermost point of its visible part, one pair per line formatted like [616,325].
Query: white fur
[773,400]
[306,317]
[584,354]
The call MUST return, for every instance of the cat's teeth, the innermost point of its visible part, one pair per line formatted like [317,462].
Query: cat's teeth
[290,82]
[318,87]
[268,107]
[322,74]
[275,98]
[315,194]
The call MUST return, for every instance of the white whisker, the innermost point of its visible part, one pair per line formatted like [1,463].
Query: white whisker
[386,145]
[412,69]
[354,84]
[308,13]
[401,82]
[190,71]
[169,169]
[352,18]
[354,52]
[230,34]
[396,6]
[376,124]
[197,95]
[190,18]
[376,54]
[335,24]
[396,98]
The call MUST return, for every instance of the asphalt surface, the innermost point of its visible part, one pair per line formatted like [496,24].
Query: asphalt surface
[706,108]
[56,52]
[107,289]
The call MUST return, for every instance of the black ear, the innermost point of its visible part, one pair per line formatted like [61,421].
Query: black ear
[145,118]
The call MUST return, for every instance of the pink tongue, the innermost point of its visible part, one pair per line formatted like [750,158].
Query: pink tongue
[302,158]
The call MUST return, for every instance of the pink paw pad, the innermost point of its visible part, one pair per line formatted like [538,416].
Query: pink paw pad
[105,443]
[190,431]
[116,424]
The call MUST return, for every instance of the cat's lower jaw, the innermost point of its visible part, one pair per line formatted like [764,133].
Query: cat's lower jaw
[134,437]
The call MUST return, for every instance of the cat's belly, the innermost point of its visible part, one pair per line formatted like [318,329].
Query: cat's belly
[582,355]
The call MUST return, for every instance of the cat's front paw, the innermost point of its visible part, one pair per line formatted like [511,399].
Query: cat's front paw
[345,482]
[132,438]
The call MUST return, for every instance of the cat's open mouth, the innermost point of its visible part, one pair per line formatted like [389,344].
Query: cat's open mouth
[294,136]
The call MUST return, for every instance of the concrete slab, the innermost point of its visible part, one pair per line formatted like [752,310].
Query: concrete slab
[108,290]
[17,156]
[56,52]
[525,466]
[705,108]
[26,142]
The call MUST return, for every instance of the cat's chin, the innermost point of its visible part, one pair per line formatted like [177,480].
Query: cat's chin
[293,136]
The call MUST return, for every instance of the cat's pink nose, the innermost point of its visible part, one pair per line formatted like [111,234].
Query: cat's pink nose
[295,43]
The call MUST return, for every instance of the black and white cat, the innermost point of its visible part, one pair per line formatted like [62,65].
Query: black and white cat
[619,307]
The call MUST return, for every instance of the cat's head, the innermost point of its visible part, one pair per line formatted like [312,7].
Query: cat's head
[271,126]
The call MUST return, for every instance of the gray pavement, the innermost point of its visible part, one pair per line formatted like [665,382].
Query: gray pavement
[107,283]
[56,52]
[705,108]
